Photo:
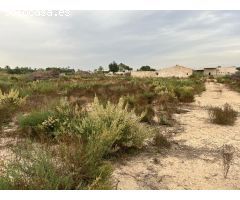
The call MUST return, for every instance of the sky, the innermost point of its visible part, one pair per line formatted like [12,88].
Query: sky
[88,39]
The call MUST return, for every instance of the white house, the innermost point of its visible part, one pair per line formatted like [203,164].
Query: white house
[219,71]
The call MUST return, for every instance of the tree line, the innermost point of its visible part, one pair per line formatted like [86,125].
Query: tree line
[113,67]
[25,70]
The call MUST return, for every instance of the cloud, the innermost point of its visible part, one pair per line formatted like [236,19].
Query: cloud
[88,39]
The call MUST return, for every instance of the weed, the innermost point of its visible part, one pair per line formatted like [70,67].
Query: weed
[223,116]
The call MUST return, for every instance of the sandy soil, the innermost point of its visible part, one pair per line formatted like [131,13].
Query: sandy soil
[6,142]
[195,160]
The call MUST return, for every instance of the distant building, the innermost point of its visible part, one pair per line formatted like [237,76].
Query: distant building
[210,71]
[123,73]
[184,72]
[175,71]
[219,71]
[142,74]
[227,71]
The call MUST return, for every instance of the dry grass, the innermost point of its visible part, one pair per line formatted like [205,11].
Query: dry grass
[80,142]
[223,116]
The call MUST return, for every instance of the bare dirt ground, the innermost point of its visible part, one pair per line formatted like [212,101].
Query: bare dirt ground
[6,142]
[195,160]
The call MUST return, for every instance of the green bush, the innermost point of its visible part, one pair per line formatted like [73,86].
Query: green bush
[183,89]
[35,167]
[114,125]
[33,119]
[223,116]
[122,127]
[85,139]
[9,103]
[185,93]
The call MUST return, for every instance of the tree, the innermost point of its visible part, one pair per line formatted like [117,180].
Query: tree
[113,67]
[146,68]
[100,69]
[7,67]
[122,67]
[18,70]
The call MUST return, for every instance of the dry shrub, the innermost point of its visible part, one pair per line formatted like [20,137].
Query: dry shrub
[161,141]
[9,103]
[227,155]
[48,167]
[148,114]
[223,116]
[76,156]
[165,119]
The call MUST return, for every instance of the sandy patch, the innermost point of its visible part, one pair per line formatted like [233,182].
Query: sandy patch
[195,161]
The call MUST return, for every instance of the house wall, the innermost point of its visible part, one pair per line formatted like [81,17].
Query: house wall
[176,71]
[220,71]
[226,71]
[142,74]
[210,72]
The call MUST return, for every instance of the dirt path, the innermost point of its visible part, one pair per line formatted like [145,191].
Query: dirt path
[195,161]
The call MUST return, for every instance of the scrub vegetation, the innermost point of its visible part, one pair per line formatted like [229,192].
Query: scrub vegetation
[71,126]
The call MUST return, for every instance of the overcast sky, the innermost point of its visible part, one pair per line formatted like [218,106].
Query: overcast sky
[88,39]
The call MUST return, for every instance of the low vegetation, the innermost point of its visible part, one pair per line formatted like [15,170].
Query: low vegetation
[84,141]
[233,81]
[9,103]
[67,166]
[72,125]
[161,141]
[225,115]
